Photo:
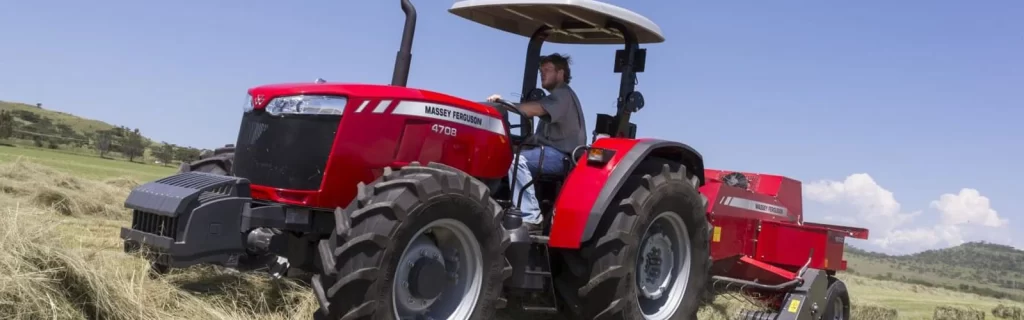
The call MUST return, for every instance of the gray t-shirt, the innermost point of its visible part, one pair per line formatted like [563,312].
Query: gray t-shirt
[563,127]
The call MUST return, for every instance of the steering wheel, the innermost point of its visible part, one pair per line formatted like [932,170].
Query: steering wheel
[524,120]
[508,106]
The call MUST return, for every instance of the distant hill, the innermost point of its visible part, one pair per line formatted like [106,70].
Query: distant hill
[76,123]
[988,269]
[34,125]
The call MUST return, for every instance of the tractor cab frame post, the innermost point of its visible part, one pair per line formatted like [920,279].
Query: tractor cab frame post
[627,85]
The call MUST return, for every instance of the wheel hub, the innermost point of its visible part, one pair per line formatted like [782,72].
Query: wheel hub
[411,295]
[427,278]
[837,310]
[663,267]
[439,274]
[656,265]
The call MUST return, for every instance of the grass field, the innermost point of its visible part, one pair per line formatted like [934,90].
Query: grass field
[977,268]
[89,167]
[60,257]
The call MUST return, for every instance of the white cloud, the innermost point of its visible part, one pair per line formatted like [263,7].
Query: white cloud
[968,207]
[860,201]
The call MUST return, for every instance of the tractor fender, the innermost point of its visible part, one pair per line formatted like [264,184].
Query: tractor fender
[589,189]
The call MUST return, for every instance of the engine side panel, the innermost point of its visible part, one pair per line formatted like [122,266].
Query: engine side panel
[385,126]
[589,189]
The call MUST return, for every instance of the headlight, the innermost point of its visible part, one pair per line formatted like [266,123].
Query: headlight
[307,105]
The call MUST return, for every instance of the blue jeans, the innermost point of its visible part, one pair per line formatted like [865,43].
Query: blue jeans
[529,164]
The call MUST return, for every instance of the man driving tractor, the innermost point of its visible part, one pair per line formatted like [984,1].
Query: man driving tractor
[561,129]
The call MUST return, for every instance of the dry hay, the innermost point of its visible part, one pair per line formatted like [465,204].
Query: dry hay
[957,313]
[873,312]
[62,193]
[56,267]
[1008,312]
[41,279]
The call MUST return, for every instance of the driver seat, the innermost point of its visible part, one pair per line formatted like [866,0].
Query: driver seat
[549,186]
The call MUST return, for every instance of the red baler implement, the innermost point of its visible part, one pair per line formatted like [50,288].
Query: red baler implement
[761,244]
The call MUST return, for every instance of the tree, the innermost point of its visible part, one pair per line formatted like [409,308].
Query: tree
[103,142]
[6,124]
[186,154]
[134,145]
[164,153]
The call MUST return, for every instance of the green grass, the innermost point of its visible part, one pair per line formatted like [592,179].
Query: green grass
[91,167]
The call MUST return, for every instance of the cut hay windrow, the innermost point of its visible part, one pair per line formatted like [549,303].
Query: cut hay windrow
[958,313]
[1008,312]
[62,193]
[873,312]
[45,274]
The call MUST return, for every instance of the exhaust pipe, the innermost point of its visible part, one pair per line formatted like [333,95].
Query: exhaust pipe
[401,74]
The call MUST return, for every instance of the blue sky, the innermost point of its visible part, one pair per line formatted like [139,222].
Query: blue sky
[921,97]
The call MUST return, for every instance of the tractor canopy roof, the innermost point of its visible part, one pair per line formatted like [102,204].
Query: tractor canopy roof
[571,21]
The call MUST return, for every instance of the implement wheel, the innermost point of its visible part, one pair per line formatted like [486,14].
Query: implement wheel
[652,258]
[837,301]
[423,242]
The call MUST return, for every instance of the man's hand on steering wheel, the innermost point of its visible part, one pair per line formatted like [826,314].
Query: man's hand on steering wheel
[496,98]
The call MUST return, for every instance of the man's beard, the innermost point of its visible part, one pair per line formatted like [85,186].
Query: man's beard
[548,86]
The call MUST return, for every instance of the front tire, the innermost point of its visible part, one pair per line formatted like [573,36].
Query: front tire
[652,259]
[369,273]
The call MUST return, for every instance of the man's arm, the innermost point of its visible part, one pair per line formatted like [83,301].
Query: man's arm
[529,109]
[552,108]
[532,109]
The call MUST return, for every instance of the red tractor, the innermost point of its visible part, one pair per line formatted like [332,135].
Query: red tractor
[398,200]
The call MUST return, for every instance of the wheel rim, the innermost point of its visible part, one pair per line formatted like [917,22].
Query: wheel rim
[663,267]
[838,310]
[420,291]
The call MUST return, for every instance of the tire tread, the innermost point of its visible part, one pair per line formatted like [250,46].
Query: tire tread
[360,245]
[606,294]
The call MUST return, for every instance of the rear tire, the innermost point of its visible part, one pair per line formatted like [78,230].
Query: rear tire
[364,276]
[658,191]
[208,167]
[218,163]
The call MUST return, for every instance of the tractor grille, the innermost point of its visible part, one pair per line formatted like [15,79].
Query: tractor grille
[155,224]
[288,152]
